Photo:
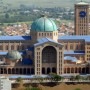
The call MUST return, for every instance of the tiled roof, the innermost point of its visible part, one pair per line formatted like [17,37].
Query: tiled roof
[15,38]
[74,52]
[86,38]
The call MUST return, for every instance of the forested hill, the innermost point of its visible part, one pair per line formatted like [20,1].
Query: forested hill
[40,3]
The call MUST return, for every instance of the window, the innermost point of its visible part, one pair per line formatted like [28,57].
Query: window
[50,34]
[1,47]
[39,34]
[42,34]
[71,46]
[12,47]
[6,47]
[17,47]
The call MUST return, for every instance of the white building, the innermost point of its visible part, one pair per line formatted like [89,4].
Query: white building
[5,84]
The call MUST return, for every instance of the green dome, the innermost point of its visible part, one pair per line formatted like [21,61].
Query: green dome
[44,24]
[13,55]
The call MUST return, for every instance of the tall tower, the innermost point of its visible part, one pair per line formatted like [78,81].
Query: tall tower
[81,18]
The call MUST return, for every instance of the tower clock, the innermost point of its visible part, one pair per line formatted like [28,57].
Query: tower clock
[81,18]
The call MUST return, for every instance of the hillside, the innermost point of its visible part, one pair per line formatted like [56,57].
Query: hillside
[41,3]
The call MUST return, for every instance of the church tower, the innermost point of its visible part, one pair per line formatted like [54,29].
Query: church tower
[81,18]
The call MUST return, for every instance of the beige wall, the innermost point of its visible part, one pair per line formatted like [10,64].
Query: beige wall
[38,58]
[73,45]
[14,45]
[37,35]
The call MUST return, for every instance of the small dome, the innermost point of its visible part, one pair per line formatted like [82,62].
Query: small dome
[13,55]
[44,24]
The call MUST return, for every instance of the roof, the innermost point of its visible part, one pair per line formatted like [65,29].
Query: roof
[44,40]
[15,38]
[86,38]
[13,55]
[5,53]
[74,52]
[27,61]
[44,24]
[28,76]
[73,59]
[30,49]
[82,3]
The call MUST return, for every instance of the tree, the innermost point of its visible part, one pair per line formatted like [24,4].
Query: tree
[78,77]
[19,79]
[55,77]
[7,15]
[72,78]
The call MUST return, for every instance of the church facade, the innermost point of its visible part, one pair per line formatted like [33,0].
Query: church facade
[45,52]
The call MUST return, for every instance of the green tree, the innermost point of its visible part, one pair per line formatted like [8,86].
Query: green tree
[7,15]
[55,77]
[72,78]
[78,77]
[19,79]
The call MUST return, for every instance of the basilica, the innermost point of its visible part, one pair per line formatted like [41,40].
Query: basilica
[44,51]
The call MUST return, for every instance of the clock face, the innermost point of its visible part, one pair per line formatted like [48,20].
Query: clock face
[82,14]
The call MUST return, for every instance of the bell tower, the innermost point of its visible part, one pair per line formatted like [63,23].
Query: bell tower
[81,18]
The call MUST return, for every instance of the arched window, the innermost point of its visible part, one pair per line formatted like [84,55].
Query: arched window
[49,55]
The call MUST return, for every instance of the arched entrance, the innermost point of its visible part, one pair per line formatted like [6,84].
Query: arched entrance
[21,71]
[87,70]
[48,70]
[49,55]
[28,71]
[53,70]
[83,70]
[9,71]
[68,70]
[13,71]
[17,70]
[5,71]
[32,71]
[43,70]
